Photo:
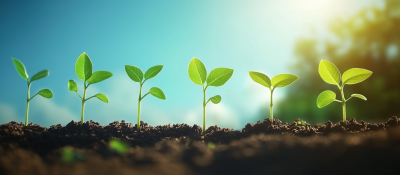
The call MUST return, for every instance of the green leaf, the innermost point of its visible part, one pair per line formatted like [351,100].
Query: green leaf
[102,97]
[355,75]
[329,73]
[72,86]
[260,78]
[359,96]
[67,155]
[283,80]
[153,71]
[46,93]
[20,68]
[216,99]
[197,72]
[326,97]
[99,76]
[157,92]
[134,73]
[119,146]
[219,76]
[211,145]
[83,67]
[39,75]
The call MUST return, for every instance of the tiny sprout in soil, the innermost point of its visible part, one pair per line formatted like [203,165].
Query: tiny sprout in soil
[44,92]
[211,145]
[118,146]
[136,75]
[217,77]
[69,156]
[330,74]
[83,70]
[280,80]
[301,123]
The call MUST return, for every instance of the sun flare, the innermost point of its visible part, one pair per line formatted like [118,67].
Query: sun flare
[317,11]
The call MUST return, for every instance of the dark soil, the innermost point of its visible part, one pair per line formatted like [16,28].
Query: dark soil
[261,148]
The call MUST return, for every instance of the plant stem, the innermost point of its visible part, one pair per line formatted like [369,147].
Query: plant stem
[138,119]
[27,105]
[343,105]
[83,102]
[140,99]
[204,111]
[270,111]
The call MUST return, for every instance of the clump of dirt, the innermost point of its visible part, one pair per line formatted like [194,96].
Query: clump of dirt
[261,148]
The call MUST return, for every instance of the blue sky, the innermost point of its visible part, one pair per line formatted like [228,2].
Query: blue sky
[252,35]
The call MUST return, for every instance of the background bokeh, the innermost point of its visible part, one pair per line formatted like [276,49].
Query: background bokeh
[272,37]
[369,39]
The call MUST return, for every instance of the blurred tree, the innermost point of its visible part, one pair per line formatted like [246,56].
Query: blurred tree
[370,39]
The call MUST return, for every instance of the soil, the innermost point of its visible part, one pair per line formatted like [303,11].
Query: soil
[261,148]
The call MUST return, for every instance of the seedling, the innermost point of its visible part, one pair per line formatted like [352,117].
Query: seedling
[280,80]
[83,70]
[301,123]
[69,156]
[44,92]
[217,77]
[331,75]
[136,75]
[119,146]
[211,145]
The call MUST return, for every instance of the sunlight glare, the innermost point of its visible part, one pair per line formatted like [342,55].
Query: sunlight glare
[318,11]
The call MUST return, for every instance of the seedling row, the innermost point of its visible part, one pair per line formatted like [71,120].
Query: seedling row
[198,75]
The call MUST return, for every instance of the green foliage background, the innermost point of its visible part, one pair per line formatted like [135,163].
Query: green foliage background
[371,40]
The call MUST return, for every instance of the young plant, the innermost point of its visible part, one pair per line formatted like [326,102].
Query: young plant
[280,80]
[44,92]
[68,155]
[83,70]
[331,75]
[301,123]
[136,75]
[217,77]
[119,146]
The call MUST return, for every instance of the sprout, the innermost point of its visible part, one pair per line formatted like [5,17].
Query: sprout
[217,77]
[83,70]
[302,123]
[44,92]
[136,75]
[280,80]
[211,145]
[331,75]
[68,155]
[118,146]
